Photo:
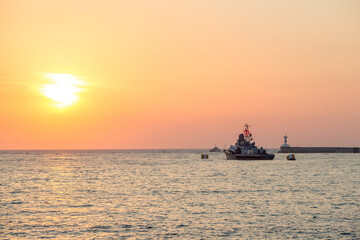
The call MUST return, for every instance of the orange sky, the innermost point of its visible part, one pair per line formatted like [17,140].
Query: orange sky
[180,74]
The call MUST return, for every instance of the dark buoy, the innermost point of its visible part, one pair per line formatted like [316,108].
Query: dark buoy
[204,156]
[290,157]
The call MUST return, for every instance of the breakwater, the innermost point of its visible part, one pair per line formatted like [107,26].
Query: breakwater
[319,150]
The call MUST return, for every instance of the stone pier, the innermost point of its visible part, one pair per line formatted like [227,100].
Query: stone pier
[319,150]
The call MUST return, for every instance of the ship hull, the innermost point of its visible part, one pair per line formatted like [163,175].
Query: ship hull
[215,151]
[234,156]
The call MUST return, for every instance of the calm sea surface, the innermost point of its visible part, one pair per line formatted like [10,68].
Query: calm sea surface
[155,194]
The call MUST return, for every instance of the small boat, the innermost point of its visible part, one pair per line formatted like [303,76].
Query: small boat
[244,149]
[215,149]
[291,157]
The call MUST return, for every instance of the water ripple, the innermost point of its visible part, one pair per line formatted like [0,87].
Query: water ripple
[153,194]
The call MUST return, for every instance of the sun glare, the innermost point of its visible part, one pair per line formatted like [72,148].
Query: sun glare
[63,90]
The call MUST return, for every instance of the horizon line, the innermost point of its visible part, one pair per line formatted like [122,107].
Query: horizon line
[84,149]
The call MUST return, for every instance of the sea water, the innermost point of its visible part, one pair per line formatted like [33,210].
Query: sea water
[174,194]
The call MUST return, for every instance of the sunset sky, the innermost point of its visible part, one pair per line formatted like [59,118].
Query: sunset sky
[178,74]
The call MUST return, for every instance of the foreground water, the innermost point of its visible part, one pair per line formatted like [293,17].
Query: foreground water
[175,194]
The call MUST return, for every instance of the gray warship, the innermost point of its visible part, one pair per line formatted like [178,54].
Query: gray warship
[244,149]
[215,149]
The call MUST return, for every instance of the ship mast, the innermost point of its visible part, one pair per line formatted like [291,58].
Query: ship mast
[247,134]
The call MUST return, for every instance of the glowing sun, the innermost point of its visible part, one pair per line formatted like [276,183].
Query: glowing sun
[63,89]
